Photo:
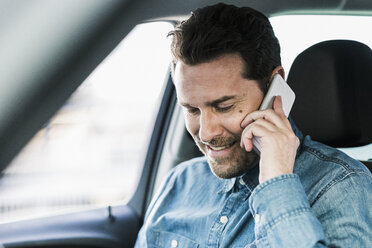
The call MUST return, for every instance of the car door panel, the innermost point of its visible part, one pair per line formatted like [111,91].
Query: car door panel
[104,227]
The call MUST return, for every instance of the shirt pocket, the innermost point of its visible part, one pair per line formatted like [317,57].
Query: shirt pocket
[168,239]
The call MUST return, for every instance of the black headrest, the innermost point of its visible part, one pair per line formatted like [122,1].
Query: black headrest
[333,85]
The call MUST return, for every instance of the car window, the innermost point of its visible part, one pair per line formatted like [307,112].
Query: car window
[298,32]
[89,154]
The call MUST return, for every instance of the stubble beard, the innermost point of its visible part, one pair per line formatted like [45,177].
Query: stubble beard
[237,163]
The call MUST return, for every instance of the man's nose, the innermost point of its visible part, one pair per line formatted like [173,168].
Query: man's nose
[209,127]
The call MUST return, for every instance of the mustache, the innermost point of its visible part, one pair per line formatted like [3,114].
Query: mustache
[220,141]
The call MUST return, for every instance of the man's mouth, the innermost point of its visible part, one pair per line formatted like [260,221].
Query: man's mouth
[220,148]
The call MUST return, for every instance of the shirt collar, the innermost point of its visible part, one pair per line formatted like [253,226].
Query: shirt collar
[227,185]
[250,180]
[298,133]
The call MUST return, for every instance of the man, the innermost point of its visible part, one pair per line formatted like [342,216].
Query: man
[292,195]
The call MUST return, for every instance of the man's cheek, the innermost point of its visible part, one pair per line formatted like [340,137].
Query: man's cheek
[192,127]
[232,125]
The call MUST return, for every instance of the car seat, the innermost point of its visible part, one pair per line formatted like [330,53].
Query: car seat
[333,85]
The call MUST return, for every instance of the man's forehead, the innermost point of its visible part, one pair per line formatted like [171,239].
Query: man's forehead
[212,82]
[224,64]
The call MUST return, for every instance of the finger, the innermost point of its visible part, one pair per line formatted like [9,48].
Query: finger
[266,124]
[246,144]
[268,114]
[278,106]
[259,128]
[247,139]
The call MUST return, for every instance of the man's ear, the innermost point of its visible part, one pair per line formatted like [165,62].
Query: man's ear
[278,70]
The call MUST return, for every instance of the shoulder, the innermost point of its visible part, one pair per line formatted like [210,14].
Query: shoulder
[180,179]
[330,159]
[320,167]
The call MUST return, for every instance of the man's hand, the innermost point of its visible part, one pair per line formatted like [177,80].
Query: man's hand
[278,142]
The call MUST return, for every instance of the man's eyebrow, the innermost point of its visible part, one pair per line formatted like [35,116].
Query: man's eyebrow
[211,103]
[183,104]
[220,100]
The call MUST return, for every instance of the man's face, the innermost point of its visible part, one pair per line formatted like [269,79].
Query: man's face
[215,99]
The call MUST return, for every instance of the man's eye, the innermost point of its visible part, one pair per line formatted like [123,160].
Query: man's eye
[224,109]
[192,110]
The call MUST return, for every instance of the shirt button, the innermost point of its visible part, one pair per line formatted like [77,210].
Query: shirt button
[257,218]
[174,243]
[241,181]
[224,219]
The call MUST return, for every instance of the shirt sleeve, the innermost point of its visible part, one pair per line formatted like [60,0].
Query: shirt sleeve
[345,211]
[340,217]
[283,216]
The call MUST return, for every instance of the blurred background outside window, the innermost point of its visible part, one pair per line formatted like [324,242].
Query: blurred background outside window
[91,151]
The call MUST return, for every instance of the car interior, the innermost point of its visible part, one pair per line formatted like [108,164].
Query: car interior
[45,57]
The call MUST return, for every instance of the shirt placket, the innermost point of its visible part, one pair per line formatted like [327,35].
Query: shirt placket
[222,220]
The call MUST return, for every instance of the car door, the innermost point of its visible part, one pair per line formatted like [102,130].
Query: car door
[109,226]
[61,44]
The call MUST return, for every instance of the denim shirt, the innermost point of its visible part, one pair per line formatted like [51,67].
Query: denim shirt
[326,202]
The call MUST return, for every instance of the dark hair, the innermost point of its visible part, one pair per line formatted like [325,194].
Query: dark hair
[221,29]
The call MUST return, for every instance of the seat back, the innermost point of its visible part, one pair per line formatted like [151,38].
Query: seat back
[333,85]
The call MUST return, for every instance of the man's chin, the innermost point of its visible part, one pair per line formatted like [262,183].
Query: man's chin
[231,167]
[225,170]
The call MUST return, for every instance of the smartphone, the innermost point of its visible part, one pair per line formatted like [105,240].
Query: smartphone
[278,87]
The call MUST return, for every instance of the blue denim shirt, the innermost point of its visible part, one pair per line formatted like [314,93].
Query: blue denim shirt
[326,202]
